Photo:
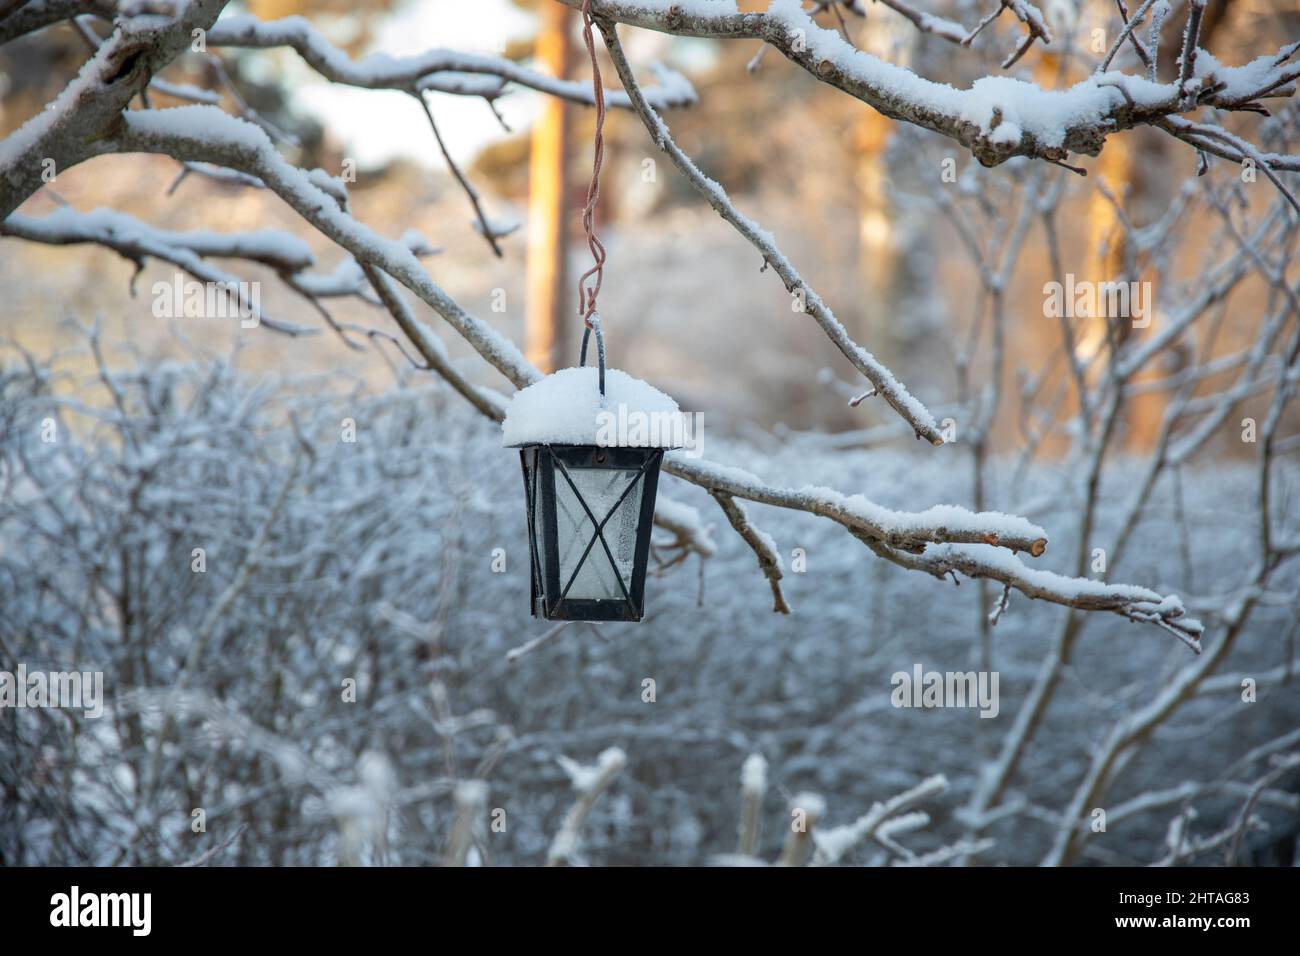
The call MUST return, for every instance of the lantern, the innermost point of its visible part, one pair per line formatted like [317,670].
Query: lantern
[590,510]
[591,469]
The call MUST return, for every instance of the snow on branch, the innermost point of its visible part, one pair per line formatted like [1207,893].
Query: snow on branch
[753,786]
[119,70]
[879,823]
[589,782]
[444,71]
[1213,139]
[998,117]
[808,809]
[1138,604]
[138,241]
[929,23]
[910,531]
[206,134]
[806,842]
[276,248]
[1028,14]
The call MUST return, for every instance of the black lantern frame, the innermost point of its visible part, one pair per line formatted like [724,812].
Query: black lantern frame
[548,468]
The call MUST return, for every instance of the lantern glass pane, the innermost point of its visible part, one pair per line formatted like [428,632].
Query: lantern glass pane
[602,490]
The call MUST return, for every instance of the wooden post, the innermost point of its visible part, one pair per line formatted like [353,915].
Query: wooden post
[549,318]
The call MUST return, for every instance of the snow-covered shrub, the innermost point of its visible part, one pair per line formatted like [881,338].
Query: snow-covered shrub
[324,687]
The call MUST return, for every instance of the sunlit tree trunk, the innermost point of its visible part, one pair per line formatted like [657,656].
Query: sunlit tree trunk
[875,216]
[548,317]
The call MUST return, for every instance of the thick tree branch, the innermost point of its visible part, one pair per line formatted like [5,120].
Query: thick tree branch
[65,132]
[977,561]
[997,118]
[446,71]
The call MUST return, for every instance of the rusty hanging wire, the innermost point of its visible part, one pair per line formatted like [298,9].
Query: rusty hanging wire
[587,296]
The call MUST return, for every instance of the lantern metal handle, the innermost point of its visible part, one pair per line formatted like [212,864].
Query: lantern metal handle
[593,323]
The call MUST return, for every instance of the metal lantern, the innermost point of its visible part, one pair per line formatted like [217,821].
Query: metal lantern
[590,512]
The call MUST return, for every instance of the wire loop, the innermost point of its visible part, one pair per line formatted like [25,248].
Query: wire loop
[593,325]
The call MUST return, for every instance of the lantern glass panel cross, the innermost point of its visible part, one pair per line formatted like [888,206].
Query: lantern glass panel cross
[590,512]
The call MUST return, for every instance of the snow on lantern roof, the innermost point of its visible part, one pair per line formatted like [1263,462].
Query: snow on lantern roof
[566,408]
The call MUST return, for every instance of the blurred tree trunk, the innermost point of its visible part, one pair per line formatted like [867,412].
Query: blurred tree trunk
[878,253]
[548,319]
